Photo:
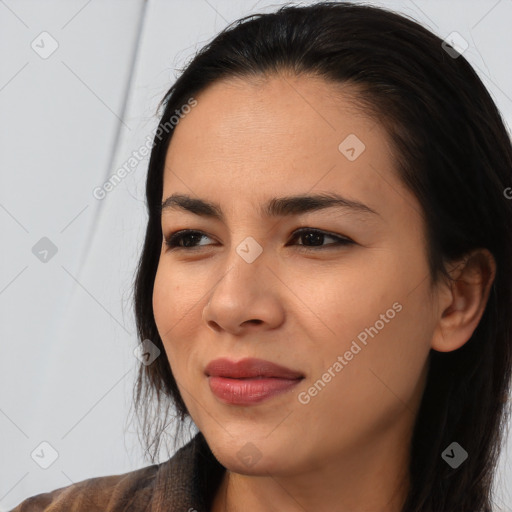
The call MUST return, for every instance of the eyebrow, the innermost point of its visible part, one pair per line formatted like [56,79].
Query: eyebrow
[275,207]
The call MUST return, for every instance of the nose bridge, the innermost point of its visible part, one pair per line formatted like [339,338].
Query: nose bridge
[245,260]
[243,273]
[249,250]
[245,263]
[242,298]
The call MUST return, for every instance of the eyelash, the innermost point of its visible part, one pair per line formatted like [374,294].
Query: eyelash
[173,240]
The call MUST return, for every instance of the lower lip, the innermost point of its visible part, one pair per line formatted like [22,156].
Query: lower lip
[249,391]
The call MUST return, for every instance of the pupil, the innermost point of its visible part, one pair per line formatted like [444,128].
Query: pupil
[186,244]
[312,236]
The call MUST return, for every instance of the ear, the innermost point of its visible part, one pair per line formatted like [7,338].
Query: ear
[462,301]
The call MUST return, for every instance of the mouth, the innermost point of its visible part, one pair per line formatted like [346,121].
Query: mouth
[249,391]
[249,381]
[249,368]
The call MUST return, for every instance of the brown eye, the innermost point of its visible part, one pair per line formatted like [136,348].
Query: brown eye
[314,238]
[187,236]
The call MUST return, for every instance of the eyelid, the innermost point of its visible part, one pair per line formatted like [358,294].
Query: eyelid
[341,240]
[175,235]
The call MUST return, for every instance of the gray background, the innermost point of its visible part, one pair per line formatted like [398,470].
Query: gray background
[68,122]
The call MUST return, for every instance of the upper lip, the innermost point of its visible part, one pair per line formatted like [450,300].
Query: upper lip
[249,367]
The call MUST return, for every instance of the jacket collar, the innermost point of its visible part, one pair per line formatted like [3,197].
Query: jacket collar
[188,481]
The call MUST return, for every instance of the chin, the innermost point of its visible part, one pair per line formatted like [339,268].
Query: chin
[246,455]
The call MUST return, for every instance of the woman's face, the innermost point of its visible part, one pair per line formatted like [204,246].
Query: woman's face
[355,320]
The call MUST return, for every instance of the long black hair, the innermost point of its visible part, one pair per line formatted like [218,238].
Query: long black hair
[452,151]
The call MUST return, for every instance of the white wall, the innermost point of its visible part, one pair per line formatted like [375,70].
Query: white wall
[68,122]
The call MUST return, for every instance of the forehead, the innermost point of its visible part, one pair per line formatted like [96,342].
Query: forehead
[289,116]
[248,138]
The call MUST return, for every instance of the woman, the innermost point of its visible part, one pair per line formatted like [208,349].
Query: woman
[326,274]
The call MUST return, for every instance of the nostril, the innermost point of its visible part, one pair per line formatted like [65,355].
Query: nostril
[254,321]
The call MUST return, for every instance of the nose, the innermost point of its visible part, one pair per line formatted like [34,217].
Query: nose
[247,296]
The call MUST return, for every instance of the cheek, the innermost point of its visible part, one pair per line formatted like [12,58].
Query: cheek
[172,300]
[167,308]
[381,378]
[176,308]
[162,297]
[392,360]
[381,324]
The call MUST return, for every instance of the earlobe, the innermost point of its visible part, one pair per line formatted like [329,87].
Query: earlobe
[463,299]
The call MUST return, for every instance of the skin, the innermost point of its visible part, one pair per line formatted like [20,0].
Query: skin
[347,449]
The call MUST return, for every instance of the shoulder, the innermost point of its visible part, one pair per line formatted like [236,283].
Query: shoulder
[187,481]
[100,494]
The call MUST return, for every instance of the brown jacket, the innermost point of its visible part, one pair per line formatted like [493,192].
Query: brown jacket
[186,483]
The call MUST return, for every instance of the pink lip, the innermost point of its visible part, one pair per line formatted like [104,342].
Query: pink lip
[250,380]
[249,368]
[249,391]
